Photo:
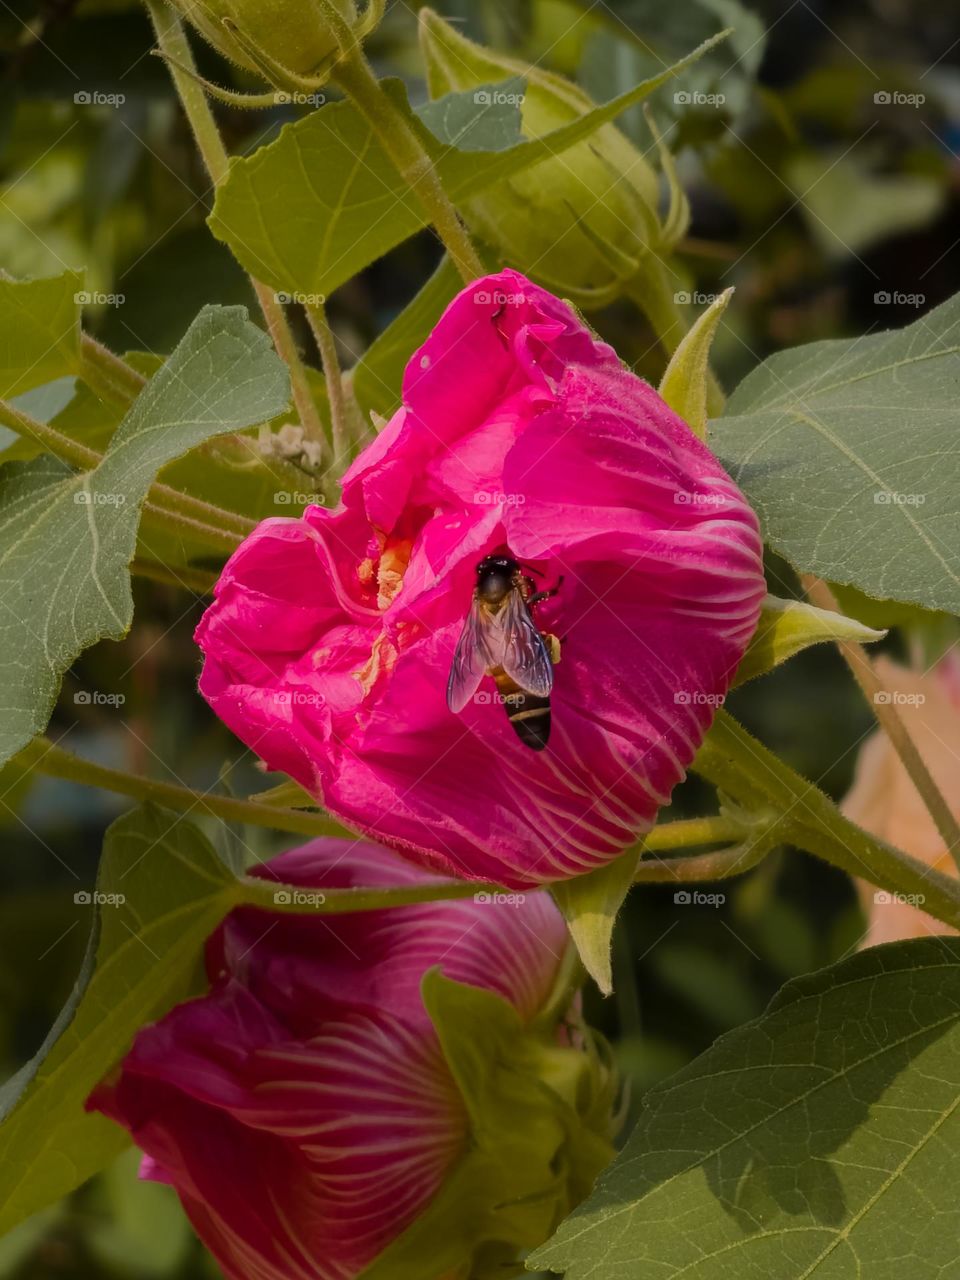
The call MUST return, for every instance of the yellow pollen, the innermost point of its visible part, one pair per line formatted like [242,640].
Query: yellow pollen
[383,656]
[393,565]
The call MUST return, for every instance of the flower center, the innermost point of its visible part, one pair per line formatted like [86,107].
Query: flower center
[387,570]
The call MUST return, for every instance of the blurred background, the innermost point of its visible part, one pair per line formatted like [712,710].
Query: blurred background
[825,185]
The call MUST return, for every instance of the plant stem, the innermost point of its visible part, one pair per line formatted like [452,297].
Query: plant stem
[400,142]
[890,719]
[165,506]
[741,767]
[327,346]
[221,540]
[273,895]
[719,865]
[107,375]
[54,441]
[174,45]
[692,831]
[283,341]
[44,757]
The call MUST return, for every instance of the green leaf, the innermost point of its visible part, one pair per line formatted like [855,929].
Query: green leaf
[302,235]
[849,207]
[788,626]
[66,539]
[684,382]
[849,451]
[820,1142]
[39,330]
[161,891]
[590,904]
[378,376]
[483,119]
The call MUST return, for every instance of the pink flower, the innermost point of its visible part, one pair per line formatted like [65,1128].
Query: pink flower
[331,638]
[303,1109]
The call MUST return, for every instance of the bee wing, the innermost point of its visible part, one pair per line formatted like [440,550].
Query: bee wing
[525,658]
[480,647]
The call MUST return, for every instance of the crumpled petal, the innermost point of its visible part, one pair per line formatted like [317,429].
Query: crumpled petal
[520,432]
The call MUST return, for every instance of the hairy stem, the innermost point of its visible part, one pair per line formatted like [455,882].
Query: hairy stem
[165,506]
[865,673]
[400,142]
[745,769]
[107,375]
[174,45]
[47,758]
[327,346]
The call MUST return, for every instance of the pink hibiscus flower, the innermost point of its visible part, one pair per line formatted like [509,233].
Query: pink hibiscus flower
[303,1109]
[331,639]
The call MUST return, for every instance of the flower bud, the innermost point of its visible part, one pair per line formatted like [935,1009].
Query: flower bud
[294,34]
[388,1092]
[580,221]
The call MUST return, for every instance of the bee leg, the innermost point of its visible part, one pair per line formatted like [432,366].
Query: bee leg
[554,646]
[540,596]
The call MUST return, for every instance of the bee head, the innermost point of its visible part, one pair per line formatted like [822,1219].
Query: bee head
[495,577]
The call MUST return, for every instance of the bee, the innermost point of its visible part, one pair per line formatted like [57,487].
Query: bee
[501,639]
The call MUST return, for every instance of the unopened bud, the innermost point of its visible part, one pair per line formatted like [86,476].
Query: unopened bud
[585,217]
[294,35]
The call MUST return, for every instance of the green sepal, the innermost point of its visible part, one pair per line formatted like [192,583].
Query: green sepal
[685,383]
[589,904]
[677,221]
[788,626]
[515,1182]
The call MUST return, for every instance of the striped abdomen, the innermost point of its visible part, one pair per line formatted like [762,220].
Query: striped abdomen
[529,714]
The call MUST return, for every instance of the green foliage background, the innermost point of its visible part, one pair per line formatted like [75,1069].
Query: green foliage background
[807,195]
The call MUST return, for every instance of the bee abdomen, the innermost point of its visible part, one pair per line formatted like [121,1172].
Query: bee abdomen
[528,713]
